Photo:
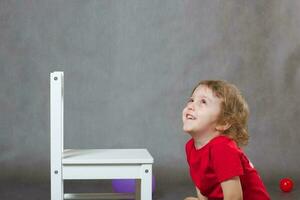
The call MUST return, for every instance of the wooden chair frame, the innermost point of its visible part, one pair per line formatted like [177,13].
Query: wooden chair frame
[92,164]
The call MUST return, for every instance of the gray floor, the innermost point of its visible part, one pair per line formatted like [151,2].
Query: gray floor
[38,191]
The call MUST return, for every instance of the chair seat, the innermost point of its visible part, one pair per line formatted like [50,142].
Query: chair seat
[106,156]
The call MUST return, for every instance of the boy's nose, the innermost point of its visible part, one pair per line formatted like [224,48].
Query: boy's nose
[190,106]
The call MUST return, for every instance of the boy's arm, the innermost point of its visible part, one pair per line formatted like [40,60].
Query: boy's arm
[232,189]
[200,196]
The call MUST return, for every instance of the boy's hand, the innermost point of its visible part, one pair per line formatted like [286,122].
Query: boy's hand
[200,196]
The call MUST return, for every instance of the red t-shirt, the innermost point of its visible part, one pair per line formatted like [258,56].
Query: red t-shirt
[221,159]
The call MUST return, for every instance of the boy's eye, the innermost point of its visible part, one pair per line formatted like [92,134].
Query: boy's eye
[201,101]
[190,100]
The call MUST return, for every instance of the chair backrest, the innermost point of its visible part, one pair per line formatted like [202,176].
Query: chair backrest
[56,122]
[57,108]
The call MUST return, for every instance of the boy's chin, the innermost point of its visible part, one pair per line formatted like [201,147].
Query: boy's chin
[191,131]
[188,130]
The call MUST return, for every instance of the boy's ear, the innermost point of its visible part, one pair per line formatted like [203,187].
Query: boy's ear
[223,127]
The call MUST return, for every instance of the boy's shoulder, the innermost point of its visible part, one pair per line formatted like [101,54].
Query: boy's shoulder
[223,142]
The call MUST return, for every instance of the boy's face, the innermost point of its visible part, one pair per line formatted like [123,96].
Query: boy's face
[201,112]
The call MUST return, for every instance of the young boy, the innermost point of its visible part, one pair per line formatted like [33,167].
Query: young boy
[216,118]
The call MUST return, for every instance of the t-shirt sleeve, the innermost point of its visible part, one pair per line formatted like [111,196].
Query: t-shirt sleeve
[226,161]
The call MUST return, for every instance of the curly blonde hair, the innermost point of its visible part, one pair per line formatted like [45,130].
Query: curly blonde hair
[234,109]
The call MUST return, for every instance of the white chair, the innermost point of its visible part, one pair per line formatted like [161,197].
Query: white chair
[92,164]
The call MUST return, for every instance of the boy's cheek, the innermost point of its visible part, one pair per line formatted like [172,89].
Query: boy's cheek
[183,112]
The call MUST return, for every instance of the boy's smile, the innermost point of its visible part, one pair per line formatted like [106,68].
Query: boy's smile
[201,112]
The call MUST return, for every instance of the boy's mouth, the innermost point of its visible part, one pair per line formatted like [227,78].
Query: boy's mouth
[190,117]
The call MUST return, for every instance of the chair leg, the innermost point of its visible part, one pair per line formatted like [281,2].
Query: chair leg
[137,189]
[146,182]
[57,188]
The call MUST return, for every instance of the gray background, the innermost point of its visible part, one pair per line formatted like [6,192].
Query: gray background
[129,69]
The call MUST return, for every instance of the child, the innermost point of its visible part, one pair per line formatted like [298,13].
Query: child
[216,118]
